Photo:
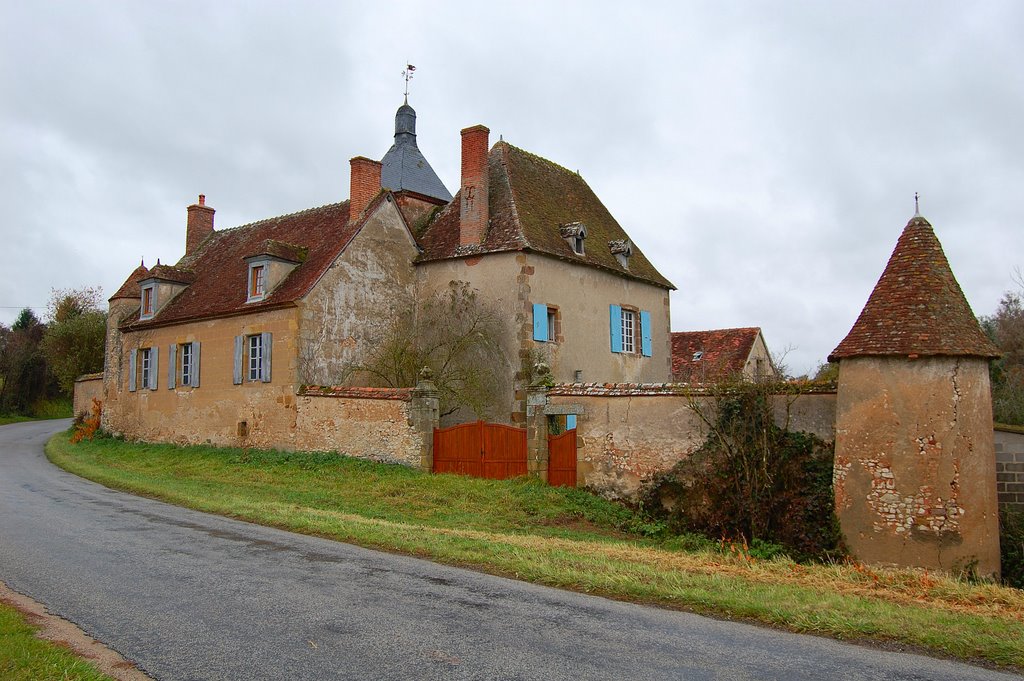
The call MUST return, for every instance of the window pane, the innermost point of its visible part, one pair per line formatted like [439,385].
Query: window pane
[628,331]
[186,364]
[255,357]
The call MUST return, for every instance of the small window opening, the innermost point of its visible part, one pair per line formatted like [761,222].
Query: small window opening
[698,355]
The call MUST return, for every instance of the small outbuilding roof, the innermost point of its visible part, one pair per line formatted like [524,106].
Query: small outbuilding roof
[699,356]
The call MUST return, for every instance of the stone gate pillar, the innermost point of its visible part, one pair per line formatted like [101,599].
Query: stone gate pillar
[914,469]
[537,424]
[425,416]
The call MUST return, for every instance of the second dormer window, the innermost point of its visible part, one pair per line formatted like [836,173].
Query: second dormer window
[257,281]
[148,301]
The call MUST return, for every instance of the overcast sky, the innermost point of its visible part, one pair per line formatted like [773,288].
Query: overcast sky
[763,155]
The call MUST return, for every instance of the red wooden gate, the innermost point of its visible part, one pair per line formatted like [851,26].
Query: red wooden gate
[484,450]
[562,459]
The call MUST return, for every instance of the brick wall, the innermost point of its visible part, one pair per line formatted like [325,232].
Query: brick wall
[1010,467]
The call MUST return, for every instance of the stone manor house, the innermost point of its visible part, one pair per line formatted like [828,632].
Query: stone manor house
[220,343]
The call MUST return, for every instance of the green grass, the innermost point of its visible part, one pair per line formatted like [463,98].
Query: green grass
[13,418]
[59,408]
[23,657]
[560,537]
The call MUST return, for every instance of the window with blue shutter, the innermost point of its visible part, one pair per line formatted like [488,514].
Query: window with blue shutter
[172,361]
[133,369]
[239,347]
[540,322]
[615,324]
[266,343]
[194,382]
[154,367]
[645,333]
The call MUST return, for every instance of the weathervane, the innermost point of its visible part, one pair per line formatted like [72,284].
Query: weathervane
[407,74]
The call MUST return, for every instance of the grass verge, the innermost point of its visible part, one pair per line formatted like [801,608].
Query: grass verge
[24,657]
[560,537]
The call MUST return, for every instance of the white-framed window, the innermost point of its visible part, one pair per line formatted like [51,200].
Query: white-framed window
[255,357]
[628,331]
[142,368]
[148,301]
[252,358]
[146,362]
[257,287]
[187,363]
[546,323]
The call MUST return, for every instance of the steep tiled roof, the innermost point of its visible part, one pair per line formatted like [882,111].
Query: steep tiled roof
[130,288]
[699,356]
[220,269]
[178,275]
[917,307]
[530,199]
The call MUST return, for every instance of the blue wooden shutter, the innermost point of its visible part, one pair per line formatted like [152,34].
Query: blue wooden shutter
[267,342]
[133,368]
[172,361]
[615,322]
[570,422]
[540,322]
[154,366]
[645,333]
[195,364]
[239,340]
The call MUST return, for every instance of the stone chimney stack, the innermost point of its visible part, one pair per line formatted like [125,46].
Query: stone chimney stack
[365,185]
[200,224]
[473,205]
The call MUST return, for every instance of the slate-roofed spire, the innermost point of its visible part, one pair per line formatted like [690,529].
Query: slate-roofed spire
[917,306]
[404,167]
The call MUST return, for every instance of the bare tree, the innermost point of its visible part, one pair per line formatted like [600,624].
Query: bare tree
[457,336]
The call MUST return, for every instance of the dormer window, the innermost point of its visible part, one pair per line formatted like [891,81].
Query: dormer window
[622,249]
[574,234]
[148,301]
[257,281]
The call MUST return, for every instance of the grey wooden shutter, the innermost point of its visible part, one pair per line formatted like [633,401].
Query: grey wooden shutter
[172,357]
[132,369]
[267,342]
[239,340]
[154,366]
[195,364]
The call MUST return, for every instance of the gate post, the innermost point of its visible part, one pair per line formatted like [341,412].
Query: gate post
[424,416]
[537,424]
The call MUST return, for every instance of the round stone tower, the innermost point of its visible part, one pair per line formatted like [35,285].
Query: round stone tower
[915,480]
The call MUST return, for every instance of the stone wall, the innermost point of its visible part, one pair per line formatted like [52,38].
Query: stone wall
[87,388]
[368,423]
[627,433]
[1009,445]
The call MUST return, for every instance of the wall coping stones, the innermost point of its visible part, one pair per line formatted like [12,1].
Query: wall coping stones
[668,389]
[90,377]
[404,394]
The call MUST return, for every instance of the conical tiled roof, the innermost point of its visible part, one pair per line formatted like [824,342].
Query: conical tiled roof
[917,307]
[130,288]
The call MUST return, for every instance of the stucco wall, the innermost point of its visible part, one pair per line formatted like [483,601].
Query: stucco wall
[513,282]
[377,429]
[915,464]
[1009,446]
[627,434]
[86,389]
[357,300]
[210,413]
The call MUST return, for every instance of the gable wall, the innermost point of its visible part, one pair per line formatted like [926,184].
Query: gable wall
[353,305]
[758,351]
[211,412]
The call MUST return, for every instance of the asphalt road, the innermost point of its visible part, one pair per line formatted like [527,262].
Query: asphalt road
[187,595]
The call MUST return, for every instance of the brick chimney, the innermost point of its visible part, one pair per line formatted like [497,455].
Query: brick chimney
[473,207]
[200,224]
[365,185]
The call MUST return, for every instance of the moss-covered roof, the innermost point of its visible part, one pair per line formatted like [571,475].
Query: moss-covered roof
[917,306]
[530,199]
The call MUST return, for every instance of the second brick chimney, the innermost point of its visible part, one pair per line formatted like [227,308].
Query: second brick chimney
[365,185]
[199,226]
[473,205]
